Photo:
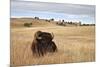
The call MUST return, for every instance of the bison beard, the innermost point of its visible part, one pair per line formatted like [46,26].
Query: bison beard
[43,43]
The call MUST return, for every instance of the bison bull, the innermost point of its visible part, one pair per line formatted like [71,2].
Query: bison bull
[43,43]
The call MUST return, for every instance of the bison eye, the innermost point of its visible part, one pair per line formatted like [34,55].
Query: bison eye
[39,35]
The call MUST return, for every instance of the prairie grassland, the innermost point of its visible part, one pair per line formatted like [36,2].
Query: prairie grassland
[75,44]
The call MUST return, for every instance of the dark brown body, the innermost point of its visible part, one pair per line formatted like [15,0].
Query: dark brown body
[43,43]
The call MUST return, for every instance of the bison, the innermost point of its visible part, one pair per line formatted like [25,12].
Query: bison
[43,43]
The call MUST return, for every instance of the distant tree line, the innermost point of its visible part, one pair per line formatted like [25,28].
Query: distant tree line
[63,23]
[88,25]
[60,22]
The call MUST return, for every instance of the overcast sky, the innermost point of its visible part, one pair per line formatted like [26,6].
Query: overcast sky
[84,13]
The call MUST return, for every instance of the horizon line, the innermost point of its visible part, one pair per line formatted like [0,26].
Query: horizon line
[50,18]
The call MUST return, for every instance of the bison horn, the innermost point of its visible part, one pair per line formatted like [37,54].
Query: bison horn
[52,35]
[37,35]
[39,38]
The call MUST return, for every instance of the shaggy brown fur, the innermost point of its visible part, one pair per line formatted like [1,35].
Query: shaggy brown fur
[43,43]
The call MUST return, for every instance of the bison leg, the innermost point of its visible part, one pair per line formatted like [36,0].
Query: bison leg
[52,47]
[33,48]
[40,50]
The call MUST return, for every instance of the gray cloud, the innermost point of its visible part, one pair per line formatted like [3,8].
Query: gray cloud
[75,9]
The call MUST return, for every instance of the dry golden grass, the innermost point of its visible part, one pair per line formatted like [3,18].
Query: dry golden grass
[75,44]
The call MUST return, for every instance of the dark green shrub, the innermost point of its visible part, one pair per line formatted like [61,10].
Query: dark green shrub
[36,18]
[52,19]
[27,24]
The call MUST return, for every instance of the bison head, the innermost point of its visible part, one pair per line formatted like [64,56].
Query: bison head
[43,37]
